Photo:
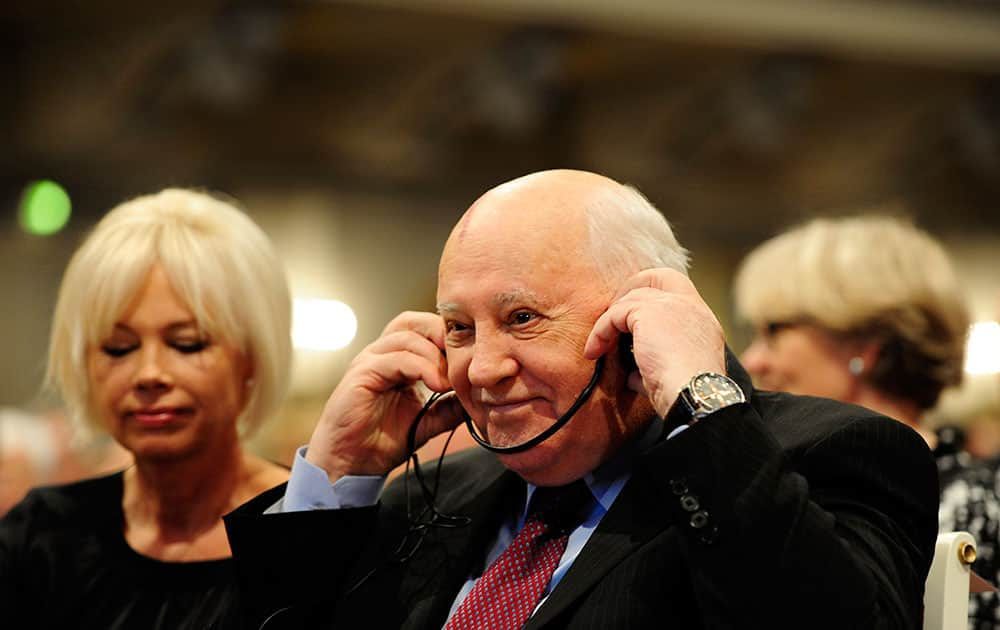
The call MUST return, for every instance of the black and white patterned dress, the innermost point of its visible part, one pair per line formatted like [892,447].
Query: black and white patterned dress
[970,501]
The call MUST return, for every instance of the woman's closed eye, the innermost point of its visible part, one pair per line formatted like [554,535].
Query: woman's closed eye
[189,346]
[116,351]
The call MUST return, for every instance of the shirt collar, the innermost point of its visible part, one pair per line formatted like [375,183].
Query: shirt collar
[608,479]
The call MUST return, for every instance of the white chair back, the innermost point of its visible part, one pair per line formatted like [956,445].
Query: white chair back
[946,592]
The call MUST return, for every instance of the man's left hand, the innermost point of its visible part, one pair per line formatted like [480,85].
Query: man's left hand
[675,335]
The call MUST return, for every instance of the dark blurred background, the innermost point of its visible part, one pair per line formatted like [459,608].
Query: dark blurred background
[357,132]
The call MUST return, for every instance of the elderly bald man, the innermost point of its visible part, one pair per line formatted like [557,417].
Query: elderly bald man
[631,477]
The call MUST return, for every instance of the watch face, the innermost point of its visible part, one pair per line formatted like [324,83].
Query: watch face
[714,391]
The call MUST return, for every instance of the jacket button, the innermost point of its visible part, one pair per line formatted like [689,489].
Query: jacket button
[699,519]
[678,487]
[709,535]
[690,503]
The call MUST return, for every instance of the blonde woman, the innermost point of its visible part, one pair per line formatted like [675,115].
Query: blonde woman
[869,310]
[171,333]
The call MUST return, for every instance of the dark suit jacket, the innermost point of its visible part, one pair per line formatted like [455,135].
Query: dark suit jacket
[809,513]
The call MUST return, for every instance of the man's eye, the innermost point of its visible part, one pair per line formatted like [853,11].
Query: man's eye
[116,351]
[523,317]
[455,327]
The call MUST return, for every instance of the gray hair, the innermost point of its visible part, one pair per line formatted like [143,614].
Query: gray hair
[628,234]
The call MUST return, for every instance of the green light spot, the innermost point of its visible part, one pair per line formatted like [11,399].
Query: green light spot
[45,208]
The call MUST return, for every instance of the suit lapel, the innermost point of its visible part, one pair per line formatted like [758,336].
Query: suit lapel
[451,554]
[628,525]
[632,521]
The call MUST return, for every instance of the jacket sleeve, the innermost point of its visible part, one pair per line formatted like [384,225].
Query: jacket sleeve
[833,528]
[289,564]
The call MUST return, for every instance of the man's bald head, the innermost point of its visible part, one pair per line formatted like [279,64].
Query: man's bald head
[577,214]
[556,197]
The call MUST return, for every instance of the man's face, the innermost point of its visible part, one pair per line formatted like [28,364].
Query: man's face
[519,301]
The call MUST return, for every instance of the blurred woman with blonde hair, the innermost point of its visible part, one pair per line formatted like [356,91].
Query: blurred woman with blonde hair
[171,333]
[869,310]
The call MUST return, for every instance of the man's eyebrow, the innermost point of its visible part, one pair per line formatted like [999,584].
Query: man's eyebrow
[517,296]
[500,300]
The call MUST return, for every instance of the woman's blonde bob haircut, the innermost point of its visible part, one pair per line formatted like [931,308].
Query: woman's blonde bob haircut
[220,263]
[869,278]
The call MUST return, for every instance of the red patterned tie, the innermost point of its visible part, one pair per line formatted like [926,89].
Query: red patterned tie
[506,594]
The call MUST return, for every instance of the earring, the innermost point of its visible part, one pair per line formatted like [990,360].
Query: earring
[856,366]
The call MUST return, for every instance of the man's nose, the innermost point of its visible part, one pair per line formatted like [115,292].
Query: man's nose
[492,360]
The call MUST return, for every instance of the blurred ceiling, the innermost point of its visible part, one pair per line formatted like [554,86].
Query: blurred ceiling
[735,117]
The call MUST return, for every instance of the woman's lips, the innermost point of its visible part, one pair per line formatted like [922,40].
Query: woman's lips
[157,417]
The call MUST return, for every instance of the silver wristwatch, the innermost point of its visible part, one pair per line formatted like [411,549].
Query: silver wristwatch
[709,392]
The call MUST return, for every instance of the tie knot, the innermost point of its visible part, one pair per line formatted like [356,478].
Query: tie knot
[560,506]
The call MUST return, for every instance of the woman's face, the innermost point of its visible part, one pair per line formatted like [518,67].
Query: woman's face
[800,358]
[163,388]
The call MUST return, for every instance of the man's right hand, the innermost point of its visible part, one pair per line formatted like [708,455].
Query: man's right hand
[364,424]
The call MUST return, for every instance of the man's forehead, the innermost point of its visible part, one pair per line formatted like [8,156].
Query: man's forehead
[499,300]
[549,200]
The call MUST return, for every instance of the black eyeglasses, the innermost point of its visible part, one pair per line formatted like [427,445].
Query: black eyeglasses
[770,329]
[768,332]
